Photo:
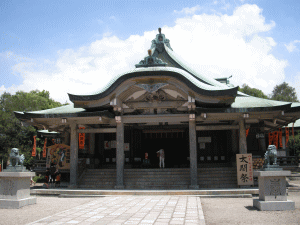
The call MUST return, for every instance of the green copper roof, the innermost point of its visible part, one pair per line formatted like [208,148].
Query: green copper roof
[60,110]
[253,102]
[191,81]
[63,111]
[162,53]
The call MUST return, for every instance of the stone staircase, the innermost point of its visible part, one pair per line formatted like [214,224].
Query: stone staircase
[157,179]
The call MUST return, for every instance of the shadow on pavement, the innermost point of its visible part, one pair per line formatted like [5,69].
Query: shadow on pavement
[251,208]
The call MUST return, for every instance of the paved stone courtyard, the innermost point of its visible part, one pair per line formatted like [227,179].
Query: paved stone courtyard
[132,210]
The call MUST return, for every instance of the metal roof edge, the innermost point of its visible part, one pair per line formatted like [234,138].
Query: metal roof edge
[158,71]
[67,115]
[244,110]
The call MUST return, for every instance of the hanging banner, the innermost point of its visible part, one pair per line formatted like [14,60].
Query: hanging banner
[270,138]
[275,139]
[287,134]
[44,149]
[34,147]
[247,132]
[81,139]
[244,169]
[280,138]
[59,155]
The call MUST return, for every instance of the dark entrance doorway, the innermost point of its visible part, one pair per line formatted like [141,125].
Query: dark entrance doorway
[174,143]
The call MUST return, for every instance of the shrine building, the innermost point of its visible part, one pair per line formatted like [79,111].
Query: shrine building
[162,103]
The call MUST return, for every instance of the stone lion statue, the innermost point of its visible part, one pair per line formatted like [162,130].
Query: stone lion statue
[271,155]
[15,157]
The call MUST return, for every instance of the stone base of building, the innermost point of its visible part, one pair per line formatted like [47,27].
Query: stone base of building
[194,187]
[18,203]
[119,187]
[274,205]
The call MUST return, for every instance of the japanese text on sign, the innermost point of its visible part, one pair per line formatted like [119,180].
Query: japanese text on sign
[244,169]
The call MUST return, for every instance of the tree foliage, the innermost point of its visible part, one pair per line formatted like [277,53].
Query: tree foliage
[284,92]
[12,133]
[252,91]
[294,145]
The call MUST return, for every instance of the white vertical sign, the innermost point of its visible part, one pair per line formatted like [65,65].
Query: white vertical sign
[244,169]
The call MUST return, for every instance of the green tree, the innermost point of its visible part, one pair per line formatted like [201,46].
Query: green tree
[12,133]
[294,146]
[252,91]
[284,92]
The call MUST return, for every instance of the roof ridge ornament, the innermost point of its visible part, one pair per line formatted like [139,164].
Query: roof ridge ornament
[150,61]
[159,41]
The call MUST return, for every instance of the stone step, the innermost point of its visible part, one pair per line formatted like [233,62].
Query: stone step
[157,178]
[165,169]
[221,173]
[224,177]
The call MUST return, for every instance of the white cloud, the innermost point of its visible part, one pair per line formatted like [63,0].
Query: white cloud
[187,10]
[2,89]
[113,18]
[294,81]
[100,22]
[215,45]
[291,46]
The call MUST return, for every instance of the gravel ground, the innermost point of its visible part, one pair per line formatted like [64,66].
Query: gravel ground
[46,206]
[216,210]
[241,211]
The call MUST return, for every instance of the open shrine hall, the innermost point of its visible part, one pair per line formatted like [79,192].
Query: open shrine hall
[112,137]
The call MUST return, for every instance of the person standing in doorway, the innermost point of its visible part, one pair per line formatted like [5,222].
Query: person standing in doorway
[161,155]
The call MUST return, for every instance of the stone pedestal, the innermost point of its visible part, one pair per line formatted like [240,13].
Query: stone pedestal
[15,190]
[272,191]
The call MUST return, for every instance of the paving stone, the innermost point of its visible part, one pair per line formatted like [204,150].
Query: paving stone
[134,210]
[64,219]
[73,222]
[56,223]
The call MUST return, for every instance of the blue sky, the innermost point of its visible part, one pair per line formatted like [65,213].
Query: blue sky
[78,46]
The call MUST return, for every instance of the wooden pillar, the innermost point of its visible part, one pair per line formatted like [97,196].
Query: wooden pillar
[234,145]
[66,137]
[73,155]
[234,141]
[193,152]
[120,153]
[92,144]
[243,141]
[262,141]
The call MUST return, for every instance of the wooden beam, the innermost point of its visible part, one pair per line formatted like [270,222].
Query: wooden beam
[251,120]
[269,124]
[216,127]
[97,130]
[156,118]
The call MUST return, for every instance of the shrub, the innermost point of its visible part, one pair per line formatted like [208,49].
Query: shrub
[39,179]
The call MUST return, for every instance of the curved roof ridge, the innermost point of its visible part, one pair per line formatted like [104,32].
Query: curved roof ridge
[247,101]
[184,65]
[185,76]
[60,109]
